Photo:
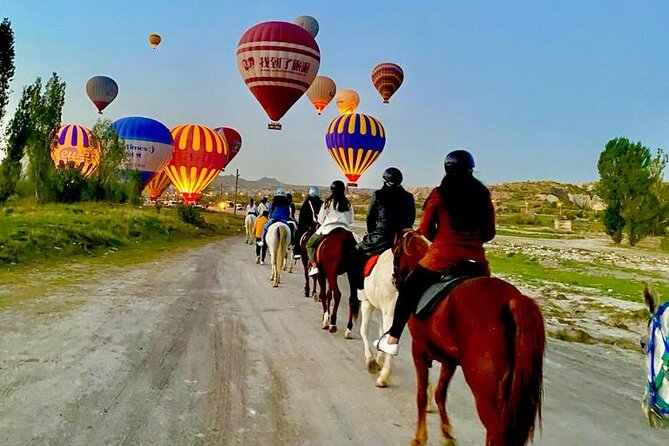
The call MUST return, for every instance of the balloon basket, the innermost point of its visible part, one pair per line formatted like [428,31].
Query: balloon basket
[386,101]
[352,184]
[274,126]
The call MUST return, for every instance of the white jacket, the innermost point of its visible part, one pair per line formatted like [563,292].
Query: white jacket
[331,219]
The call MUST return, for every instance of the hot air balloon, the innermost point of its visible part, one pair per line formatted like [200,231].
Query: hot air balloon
[233,140]
[154,40]
[347,101]
[102,90]
[148,144]
[198,156]
[157,185]
[387,78]
[309,23]
[278,62]
[355,141]
[321,92]
[74,144]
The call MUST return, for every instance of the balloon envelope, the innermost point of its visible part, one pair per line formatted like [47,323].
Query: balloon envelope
[198,156]
[321,92]
[347,101]
[157,185]
[75,145]
[148,145]
[154,40]
[278,61]
[233,140]
[387,78]
[101,90]
[355,141]
[308,23]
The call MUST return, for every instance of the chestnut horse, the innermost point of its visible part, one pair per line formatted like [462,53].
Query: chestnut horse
[496,335]
[333,260]
[302,243]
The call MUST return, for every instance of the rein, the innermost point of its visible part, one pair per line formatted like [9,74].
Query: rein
[402,247]
[658,378]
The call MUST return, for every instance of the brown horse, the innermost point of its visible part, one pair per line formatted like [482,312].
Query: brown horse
[302,243]
[496,335]
[332,259]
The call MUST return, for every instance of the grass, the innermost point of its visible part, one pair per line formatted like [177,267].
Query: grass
[574,274]
[55,246]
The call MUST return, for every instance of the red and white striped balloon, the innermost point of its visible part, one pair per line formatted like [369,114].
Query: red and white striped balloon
[278,62]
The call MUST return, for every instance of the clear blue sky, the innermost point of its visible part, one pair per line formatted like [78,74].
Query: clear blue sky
[532,88]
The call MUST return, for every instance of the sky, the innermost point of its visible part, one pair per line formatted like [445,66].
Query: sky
[533,89]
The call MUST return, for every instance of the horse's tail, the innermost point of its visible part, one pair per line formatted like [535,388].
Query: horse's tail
[522,408]
[283,233]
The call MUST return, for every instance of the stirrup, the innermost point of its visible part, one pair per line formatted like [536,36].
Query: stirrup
[382,345]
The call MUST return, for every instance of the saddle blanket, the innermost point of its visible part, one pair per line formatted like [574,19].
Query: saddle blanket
[462,271]
[371,263]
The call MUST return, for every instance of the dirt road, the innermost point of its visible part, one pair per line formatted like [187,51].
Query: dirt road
[199,349]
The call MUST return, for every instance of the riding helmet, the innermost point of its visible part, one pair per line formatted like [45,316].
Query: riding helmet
[314,191]
[459,161]
[281,192]
[392,176]
[337,187]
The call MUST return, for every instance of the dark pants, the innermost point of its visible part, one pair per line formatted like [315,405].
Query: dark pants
[416,283]
[259,249]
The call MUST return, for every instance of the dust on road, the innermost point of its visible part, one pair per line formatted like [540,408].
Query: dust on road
[199,349]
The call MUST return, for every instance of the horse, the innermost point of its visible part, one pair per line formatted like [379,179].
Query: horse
[332,260]
[379,294]
[655,344]
[249,226]
[277,238]
[495,334]
[288,263]
[302,249]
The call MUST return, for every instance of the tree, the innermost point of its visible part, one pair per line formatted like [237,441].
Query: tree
[104,184]
[630,177]
[6,62]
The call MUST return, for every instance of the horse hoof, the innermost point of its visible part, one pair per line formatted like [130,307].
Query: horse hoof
[276,285]
[333,329]
[373,366]
[307,294]
[348,335]
[450,442]
[381,383]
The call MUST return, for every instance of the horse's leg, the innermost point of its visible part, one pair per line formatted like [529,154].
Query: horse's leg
[421,363]
[324,299]
[447,371]
[366,312]
[336,296]
[353,307]
[385,361]
[307,292]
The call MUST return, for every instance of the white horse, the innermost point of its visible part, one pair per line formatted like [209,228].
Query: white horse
[656,344]
[278,238]
[249,226]
[379,294]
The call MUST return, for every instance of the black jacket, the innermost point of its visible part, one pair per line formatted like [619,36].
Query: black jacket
[307,218]
[391,210]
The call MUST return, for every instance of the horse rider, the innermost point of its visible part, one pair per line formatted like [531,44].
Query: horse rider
[336,213]
[261,249]
[458,218]
[391,210]
[262,206]
[308,217]
[291,206]
[279,210]
[251,208]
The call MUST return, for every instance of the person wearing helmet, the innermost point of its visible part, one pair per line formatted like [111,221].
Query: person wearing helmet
[279,210]
[308,217]
[336,213]
[391,210]
[458,219]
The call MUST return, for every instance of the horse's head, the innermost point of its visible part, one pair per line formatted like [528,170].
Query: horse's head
[655,343]
[409,248]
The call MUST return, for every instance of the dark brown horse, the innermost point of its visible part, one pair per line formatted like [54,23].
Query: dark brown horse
[302,243]
[496,335]
[333,260]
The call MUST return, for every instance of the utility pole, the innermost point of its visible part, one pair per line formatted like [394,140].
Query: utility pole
[236,185]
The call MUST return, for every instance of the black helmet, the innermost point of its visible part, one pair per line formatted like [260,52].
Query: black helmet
[392,176]
[459,161]
[337,187]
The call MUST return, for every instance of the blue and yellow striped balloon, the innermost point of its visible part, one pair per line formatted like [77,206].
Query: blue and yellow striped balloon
[355,141]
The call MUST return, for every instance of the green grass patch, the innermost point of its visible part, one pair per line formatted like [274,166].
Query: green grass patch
[529,270]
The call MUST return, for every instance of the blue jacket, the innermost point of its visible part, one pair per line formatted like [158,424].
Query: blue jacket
[279,213]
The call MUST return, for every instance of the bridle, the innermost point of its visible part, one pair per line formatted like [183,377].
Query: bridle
[658,378]
[402,246]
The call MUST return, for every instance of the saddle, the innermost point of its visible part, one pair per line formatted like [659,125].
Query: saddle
[466,269]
